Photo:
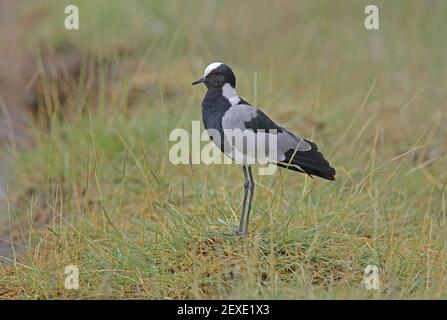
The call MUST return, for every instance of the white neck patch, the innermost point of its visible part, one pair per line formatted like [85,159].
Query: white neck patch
[230,94]
[210,68]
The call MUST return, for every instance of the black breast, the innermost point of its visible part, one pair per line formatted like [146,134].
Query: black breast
[214,106]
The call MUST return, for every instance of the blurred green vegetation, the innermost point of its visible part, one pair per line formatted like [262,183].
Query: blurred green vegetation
[97,189]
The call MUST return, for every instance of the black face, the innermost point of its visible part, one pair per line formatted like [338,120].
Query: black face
[218,77]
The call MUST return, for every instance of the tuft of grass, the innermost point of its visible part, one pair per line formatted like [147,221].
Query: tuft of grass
[97,189]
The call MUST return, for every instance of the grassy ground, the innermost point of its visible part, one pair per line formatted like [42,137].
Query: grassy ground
[97,189]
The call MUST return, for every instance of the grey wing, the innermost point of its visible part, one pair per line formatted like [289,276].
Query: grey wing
[245,118]
[291,152]
[237,116]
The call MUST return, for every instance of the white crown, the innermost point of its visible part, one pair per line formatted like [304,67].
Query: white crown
[211,67]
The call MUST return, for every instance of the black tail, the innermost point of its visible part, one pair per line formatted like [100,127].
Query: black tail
[310,162]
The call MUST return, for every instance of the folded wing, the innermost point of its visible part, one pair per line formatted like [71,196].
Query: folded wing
[292,152]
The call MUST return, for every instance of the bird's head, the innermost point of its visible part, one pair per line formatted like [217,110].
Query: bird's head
[216,75]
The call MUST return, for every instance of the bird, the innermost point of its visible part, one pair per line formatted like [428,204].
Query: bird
[223,110]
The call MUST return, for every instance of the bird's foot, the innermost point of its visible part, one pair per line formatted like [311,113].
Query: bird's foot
[236,233]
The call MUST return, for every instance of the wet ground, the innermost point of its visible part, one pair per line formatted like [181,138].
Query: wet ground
[16,100]
[19,92]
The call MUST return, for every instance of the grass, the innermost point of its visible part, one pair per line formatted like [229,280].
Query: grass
[97,190]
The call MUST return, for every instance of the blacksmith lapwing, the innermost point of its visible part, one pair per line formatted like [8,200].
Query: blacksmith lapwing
[223,110]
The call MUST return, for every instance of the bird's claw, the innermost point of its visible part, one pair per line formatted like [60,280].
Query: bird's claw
[236,233]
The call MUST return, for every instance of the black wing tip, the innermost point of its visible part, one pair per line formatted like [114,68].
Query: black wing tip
[309,162]
[311,172]
[324,172]
[330,178]
[320,174]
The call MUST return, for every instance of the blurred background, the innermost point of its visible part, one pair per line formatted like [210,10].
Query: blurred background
[84,120]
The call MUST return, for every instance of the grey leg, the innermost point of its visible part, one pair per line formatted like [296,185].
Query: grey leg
[244,201]
[251,186]
[239,231]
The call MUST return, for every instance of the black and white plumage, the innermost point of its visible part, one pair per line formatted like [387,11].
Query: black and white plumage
[223,110]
